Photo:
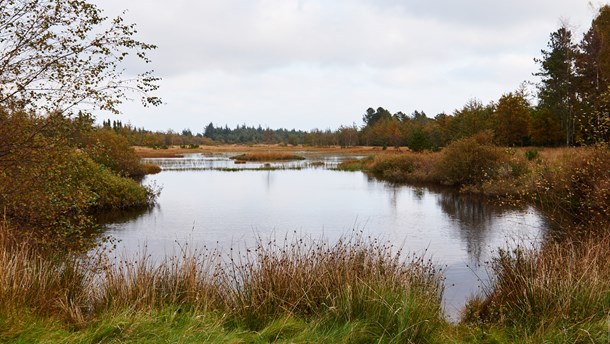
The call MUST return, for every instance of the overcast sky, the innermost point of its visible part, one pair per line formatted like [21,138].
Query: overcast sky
[308,64]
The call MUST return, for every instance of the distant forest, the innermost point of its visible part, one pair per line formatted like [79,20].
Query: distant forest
[572,108]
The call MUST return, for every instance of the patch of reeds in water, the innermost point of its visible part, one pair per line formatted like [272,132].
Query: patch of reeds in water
[267,156]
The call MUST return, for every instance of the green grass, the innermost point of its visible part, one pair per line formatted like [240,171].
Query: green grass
[171,326]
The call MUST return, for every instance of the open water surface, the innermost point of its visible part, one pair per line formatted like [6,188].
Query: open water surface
[211,201]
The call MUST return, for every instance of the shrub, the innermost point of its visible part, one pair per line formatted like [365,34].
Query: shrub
[112,150]
[49,186]
[469,161]
[57,193]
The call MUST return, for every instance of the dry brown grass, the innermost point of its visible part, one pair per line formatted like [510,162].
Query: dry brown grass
[355,279]
[563,285]
[176,151]
[138,283]
[267,156]
[31,283]
[406,167]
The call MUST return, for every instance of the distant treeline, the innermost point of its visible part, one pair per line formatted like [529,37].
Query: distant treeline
[572,107]
[245,134]
[143,137]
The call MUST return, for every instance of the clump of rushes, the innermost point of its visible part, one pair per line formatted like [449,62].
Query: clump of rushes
[558,293]
[271,156]
[353,280]
[189,280]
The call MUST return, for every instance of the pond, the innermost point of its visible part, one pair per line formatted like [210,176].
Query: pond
[209,200]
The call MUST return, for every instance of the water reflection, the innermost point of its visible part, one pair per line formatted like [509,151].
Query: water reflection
[474,218]
[124,216]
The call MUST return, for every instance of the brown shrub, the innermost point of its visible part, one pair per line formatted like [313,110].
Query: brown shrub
[470,161]
[112,150]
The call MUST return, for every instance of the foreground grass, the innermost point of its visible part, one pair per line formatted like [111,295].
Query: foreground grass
[300,291]
[297,290]
[171,325]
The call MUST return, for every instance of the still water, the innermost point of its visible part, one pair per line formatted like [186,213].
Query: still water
[205,201]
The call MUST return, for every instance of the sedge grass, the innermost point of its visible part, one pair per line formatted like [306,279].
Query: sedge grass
[560,291]
[355,279]
[299,290]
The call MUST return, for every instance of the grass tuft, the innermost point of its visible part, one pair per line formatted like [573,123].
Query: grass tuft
[561,290]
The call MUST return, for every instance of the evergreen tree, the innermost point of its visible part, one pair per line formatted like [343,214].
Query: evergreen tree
[557,91]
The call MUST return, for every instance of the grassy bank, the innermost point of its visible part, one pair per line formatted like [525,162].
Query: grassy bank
[355,290]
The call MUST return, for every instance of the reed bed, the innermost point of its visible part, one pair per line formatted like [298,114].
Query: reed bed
[267,156]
